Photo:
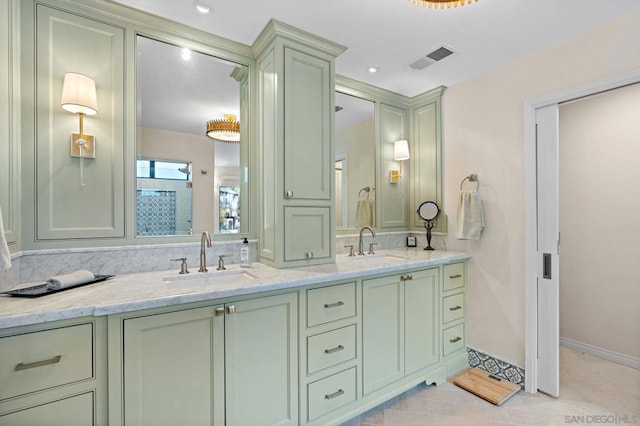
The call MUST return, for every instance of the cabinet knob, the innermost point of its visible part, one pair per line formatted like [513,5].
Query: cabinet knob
[218,312]
[309,255]
[406,277]
[288,194]
[231,309]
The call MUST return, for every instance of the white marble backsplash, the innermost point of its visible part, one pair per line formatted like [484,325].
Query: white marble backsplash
[37,266]
[40,265]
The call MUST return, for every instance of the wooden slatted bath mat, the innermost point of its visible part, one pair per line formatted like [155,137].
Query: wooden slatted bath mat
[492,388]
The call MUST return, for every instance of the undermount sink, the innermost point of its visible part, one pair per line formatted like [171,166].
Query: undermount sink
[212,277]
[378,257]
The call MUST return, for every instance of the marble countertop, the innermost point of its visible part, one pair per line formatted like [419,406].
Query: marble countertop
[131,292]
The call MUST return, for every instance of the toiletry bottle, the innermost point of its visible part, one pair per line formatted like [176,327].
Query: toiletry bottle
[244,254]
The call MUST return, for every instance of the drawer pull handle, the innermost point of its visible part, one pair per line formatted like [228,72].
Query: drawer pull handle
[455,308]
[332,350]
[453,277]
[54,360]
[333,305]
[335,394]
[406,277]
[457,339]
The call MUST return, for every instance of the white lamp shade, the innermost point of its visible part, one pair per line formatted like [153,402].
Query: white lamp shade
[401,150]
[79,94]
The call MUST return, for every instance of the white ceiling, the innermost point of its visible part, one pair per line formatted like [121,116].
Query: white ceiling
[390,34]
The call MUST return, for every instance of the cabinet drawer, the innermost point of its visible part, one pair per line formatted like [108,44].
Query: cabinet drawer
[453,276]
[44,359]
[331,393]
[331,348]
[332,303]
[452,339]
[453,308]
[74,411]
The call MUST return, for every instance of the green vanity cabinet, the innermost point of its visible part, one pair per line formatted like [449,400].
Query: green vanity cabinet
[295,135]
[400,324]
[54,374]
[231,363]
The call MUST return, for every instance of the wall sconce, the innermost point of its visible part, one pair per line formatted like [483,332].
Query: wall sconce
[79,97]
[400,153]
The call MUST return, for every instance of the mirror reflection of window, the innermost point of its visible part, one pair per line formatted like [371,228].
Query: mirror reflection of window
[355,150]
[180,94]
[229,210]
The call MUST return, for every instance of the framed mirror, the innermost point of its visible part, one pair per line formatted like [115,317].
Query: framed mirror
[354,162]
[192,170]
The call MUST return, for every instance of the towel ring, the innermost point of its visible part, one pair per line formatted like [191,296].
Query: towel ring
[471,178]
[366,189]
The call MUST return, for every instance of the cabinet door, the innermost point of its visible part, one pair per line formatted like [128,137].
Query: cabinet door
[307,126]
[421,320]
[74,411]
[261,361]
[382,325]
[306,233]
[173,368]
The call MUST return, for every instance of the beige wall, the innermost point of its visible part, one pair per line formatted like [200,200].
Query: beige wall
[599,226]
[483,133]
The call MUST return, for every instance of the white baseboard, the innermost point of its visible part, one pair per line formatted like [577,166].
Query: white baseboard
[629,361]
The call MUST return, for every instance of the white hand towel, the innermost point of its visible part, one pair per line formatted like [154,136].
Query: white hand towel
[364,212]
[69,280]
[470,221]
[5,256]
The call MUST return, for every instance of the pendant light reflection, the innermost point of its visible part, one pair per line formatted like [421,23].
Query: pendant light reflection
[225,130]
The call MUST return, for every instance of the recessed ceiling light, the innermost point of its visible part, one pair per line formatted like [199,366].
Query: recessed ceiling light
[373,69]
[185,54]
[201,6]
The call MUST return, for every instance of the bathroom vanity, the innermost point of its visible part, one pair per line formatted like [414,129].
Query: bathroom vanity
[311,345]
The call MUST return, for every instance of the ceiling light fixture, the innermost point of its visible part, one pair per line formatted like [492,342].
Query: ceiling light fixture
[441,4]
[373,69]
[185,53]
[226,130]
[201,7]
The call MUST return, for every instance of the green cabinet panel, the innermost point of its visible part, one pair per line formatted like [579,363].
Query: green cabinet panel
[74,411]
[169,368]
[307,233]
[382,332]
[230,364]
[391,198]
[66,42]
[307,126]
[400,326]
[421,320]
[261,360]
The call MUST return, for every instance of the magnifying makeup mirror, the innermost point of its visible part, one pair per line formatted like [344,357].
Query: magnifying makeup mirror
[428,211]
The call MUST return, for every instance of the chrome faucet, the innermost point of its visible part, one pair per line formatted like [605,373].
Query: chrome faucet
[203,255]
[373,234]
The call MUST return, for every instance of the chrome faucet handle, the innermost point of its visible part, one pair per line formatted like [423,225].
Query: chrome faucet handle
[371,248]
[221,262]
[350,247]
[183,265]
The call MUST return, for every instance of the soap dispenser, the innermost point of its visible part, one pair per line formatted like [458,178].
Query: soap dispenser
[244,254]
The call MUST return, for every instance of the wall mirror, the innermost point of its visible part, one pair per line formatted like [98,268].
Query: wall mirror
[192,165]
[355,162]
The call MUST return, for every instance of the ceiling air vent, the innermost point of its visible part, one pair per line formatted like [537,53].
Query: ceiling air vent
[338,108]
[431,58]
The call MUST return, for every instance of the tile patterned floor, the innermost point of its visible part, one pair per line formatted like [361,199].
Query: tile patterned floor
[592,391]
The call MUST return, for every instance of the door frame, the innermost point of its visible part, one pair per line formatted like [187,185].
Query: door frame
[530,222]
